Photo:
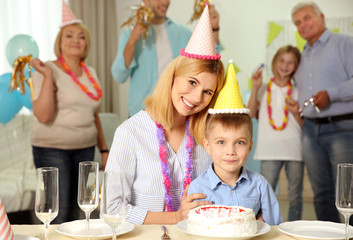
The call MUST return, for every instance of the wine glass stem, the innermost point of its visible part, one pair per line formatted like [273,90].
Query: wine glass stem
[87,222]
[46,227]
[346,220]
[114,234]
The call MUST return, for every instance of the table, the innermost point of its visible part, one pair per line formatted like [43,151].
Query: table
[140,232]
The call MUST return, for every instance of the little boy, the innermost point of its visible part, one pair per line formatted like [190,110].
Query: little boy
[227,181]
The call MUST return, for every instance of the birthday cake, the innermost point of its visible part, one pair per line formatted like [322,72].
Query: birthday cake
[222,221]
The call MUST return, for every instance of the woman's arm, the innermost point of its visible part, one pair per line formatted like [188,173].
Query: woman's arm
[101,143]
[44,105]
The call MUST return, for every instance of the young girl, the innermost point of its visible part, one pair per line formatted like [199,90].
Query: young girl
[279,128]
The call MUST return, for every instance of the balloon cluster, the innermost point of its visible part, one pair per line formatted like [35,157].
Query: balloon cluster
[142,16]
[19,51]
[199,6]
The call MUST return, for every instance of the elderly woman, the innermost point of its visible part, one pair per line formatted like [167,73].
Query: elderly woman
[66,96]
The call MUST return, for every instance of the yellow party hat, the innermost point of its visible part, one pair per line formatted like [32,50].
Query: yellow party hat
[229,98]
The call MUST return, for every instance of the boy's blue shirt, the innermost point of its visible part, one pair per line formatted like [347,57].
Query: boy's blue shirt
[251,191]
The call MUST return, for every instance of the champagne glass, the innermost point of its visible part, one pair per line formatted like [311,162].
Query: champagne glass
[113,200]
[88,188]
[344,193]
[47,196]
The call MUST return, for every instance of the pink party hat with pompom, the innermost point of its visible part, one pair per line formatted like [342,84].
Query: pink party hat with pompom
[68,16]
[5,227]
[201,44]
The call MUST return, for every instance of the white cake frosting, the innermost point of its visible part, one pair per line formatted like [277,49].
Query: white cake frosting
[222,221]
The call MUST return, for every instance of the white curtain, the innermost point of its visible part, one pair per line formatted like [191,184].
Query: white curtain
[38,18]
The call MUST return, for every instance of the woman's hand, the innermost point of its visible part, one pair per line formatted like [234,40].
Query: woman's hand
[40,67]
[188,203]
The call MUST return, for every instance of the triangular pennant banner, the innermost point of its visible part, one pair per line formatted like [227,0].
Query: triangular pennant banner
[236,69]
[300,41]
[274,30]
[250,83]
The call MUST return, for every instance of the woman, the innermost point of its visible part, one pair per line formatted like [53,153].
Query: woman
[176,111]
[66,96]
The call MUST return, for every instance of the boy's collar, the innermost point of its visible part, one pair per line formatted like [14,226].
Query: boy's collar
[215,180]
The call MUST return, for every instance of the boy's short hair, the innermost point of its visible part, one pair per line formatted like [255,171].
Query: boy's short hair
[229,120]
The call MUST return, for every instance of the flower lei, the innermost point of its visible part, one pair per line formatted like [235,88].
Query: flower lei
[165,165]
[269,108]
[75,79]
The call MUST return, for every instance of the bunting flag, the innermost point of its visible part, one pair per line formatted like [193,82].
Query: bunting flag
[274,30]
[250,83]
[335,30]
[300,41]
[236,69]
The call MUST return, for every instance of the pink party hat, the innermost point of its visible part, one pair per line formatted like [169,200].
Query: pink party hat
[5,227]
[201,44]
[68,16]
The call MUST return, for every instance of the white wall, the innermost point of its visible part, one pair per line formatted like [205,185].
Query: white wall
[243,29]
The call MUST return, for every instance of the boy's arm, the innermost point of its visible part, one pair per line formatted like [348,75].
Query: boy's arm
[271,212]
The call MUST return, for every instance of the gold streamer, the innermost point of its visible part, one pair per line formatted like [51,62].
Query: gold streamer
[18,78]
[199,6]
[143,16]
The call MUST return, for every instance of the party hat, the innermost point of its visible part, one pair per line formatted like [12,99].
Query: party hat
[5,227]
[68,16]
[229,99]
[201,44]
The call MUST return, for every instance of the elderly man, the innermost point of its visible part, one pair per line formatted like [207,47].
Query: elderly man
[325,76]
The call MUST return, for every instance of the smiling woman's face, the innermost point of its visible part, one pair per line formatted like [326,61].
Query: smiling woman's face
[192,94]
[73,41]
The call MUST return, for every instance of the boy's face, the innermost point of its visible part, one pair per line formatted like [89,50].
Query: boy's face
[229,148]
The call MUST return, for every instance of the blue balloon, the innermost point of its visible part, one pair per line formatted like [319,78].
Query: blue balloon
[20,46]
[25,99]
[9,102]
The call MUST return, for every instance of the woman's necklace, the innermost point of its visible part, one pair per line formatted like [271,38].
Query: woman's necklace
[83,87]
[165,165]
[269,108]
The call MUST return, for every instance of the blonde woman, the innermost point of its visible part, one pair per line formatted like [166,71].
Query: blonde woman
[173,123]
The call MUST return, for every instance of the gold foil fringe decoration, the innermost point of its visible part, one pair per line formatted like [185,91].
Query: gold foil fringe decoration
[199,6]
[18,78]
[142,16]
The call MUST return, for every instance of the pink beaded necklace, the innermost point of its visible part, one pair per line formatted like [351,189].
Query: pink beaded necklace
[75,79]
[168,200]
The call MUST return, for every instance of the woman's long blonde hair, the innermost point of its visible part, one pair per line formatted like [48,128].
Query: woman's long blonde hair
[159,103]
